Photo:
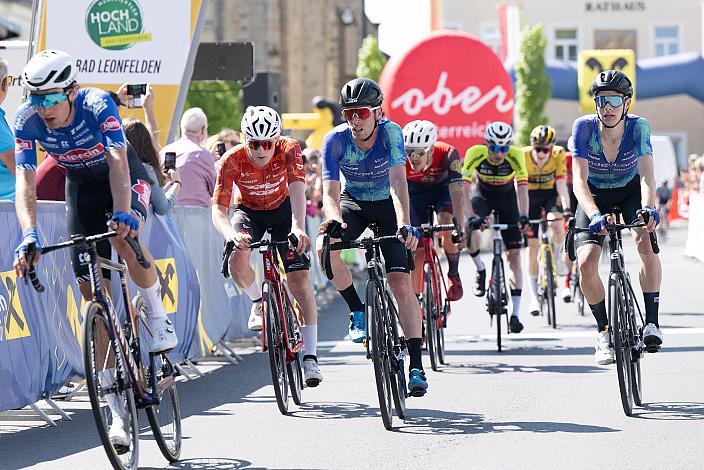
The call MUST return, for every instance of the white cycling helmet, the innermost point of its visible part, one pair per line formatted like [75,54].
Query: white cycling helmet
[498,133]
[261,123]
[419,134]
[49,69]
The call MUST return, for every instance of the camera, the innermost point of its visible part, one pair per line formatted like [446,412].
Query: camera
[136,92]
[170,161]
[221,149]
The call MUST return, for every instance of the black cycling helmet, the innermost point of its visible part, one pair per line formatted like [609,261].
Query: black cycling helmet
[361,92]
[612,80]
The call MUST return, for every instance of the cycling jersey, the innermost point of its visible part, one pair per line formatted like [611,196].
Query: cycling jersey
[366,173]
[544,177]
[445,168]
[495,177]
[80,147]
[635,143]
[259,188]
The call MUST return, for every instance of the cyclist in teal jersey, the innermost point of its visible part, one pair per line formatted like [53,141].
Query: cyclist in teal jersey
[613,166]
[368,151]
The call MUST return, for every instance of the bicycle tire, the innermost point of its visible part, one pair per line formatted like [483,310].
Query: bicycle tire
[636,377]
[294,369]
[443,309]
[542,283]
[550,289]
[95,319]
[275,347]
[441,334]
[376,333]
[495,299]
[431,319]
[398,381]
[620,342]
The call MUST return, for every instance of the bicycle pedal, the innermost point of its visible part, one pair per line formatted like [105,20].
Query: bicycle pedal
[652,348]
[418,392]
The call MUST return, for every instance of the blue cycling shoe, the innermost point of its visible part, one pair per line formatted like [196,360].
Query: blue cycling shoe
[358,331]
[417,383]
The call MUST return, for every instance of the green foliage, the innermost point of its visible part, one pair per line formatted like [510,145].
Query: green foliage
[220,100]
[533,87]
[371,60]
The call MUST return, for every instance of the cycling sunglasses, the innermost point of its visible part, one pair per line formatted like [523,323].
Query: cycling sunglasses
[263,144]
[542,149]
[50,99]
[614,100]
[498,148]
[359,113]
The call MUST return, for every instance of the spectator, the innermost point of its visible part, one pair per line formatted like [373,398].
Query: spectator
[194,161]
[141,139]
[227,136]
[148,106]
[7,141]
[314,186]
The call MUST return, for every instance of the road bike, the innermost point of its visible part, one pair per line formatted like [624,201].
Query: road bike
[384,346]
[625,327]
[576,294]
[434,304]
[282,336]
[547,274]
[117,359]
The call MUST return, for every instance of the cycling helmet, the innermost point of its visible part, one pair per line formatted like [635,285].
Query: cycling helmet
[612,80]
[498,133]
[49,69]
[543,135]
[361,92]
[261,123]
[419,134]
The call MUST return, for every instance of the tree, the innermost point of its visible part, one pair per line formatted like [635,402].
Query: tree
[220,100]
[371,60]
[533,87]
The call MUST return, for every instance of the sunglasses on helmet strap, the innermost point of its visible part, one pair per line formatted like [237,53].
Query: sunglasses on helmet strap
[50,99]
[498,148]
[614,100]
[359,113]
[263,144]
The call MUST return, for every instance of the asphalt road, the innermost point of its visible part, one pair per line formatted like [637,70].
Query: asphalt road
[543,401]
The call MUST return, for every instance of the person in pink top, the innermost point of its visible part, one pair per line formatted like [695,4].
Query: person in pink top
[193,161]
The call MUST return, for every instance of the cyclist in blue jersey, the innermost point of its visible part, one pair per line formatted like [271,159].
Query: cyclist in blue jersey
[613,166]
[368,151]
[106,185]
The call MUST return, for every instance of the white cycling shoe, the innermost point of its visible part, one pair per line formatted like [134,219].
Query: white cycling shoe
[311,373]
[566,295]
[163,334]
[118,437]
[652,337]
[603,353]
[255,317]
[534,307]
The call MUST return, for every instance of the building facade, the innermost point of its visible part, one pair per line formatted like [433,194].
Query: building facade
[312,44]
[652,28]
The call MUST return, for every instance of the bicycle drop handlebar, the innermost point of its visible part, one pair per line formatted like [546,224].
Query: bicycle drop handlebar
[612,228]
[291,240]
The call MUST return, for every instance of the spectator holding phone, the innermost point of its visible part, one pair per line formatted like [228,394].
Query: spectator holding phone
[223,141]
[193,160]
[144,100]
[140,138]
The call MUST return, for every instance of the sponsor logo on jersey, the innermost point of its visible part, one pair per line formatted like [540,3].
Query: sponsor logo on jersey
[110,124]
[78,155]
[21,145]
[143,191]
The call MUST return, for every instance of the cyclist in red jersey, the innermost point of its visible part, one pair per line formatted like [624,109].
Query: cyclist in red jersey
[434,174]
[268,171]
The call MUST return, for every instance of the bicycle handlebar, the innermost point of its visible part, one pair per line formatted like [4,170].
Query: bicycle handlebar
[364,243]
[572,229]
[81,240]
[292,240]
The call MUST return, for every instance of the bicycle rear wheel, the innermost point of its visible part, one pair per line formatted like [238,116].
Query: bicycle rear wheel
[441,333]
[275,346]
[636,357]
[164,417]
[396,361]
[294,369]
[108,382]
[622,347]
[495,301]
[550,289]
[376,333]
[431,317]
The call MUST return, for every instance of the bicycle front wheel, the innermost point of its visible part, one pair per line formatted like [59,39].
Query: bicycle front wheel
[275,347]
[550,288]
[396,358]
[622,348]
[431,315]
[294,369]
[495,299]
[377,334]
[109,389]
[441,333]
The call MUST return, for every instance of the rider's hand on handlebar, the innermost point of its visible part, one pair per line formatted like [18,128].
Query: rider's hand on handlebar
[650,217]
[303,241]
[597,223]
[30,239]
[241,240]
[330,225]
[524,223]
[124,224]
[409,235]
[474,223]
[567,213]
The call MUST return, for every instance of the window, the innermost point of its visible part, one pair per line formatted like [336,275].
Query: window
[667,40]
[490,34]
[565,43]
[615,39]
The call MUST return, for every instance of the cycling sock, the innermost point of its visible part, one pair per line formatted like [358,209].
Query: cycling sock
[107,380]
[534,286]
[599,312]
[414,353]
[310,339]
[152,297]
[254,291]
[477,261]
[352,298]
[453,261]
[516,300]
[652,303]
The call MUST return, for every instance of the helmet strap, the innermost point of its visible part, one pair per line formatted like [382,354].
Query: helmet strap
[376,124]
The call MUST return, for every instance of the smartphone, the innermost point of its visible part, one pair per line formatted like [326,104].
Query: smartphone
[221,149]
[170,161]
[136,92]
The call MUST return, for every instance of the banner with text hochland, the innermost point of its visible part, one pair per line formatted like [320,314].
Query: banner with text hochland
[125,41]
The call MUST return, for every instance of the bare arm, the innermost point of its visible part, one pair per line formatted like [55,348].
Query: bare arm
[26,198]
[8,158]
[647,181]
[297,192]
[331,200]
[119,179]
[467,197]
[399,194]
[522,197]
[456,196]
[580,172]
[221,222]
[150,118]
[561,186]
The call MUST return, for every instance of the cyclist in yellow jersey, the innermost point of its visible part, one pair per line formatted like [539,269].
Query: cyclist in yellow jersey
[545,163]
[496,180]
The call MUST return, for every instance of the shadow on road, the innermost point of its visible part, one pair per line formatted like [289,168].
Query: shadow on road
[334,410]
[500,368]
[420,421]
[671,411]
[207,464]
